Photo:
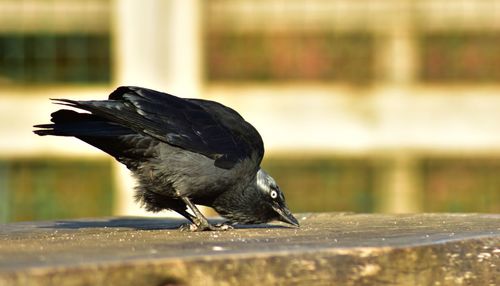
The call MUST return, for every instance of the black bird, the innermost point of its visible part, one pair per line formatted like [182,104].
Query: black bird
[182,151]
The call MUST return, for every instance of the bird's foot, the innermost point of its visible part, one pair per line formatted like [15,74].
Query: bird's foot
[222,226]
[205,227]
[188,227]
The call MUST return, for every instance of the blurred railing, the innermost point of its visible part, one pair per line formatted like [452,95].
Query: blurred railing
[388,106]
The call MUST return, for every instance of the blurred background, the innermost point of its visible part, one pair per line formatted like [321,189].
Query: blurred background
[366,106]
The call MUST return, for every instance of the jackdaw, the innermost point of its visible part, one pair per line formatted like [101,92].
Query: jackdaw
[182,152]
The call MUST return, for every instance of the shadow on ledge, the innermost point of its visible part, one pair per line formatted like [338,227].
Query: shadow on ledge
[139,223]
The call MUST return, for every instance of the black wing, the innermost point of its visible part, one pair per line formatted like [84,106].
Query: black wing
[200,126]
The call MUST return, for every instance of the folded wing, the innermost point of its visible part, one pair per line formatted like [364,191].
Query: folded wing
[200,126]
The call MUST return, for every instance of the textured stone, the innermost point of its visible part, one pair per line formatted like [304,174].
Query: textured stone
[328,249]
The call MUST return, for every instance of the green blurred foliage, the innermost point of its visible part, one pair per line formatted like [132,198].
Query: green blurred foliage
[460,185]
[55,58]
[290,55]
[325,184]
[455,57]
[43,189]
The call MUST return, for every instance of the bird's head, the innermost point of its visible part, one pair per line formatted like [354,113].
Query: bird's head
[273,199]
[260,201]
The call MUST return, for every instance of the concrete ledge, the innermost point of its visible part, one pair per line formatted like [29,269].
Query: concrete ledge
[329,249]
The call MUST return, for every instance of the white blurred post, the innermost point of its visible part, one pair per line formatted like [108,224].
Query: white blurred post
[156,45]
[397,58]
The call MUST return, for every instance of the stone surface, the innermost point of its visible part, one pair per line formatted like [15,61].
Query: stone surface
[328,249]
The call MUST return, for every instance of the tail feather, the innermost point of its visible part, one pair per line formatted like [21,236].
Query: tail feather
[71,123]
[89,128]
[123,143]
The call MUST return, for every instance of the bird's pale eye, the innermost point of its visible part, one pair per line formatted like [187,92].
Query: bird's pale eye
[273,194]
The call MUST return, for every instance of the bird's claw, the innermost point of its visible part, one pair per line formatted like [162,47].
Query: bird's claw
[222,226]
[188,227]
[205,227]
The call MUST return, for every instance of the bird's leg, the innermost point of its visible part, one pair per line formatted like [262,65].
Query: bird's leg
[185,214]
[200,223]
[182,210]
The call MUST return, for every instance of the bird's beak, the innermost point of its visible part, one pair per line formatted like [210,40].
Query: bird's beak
[285,215]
